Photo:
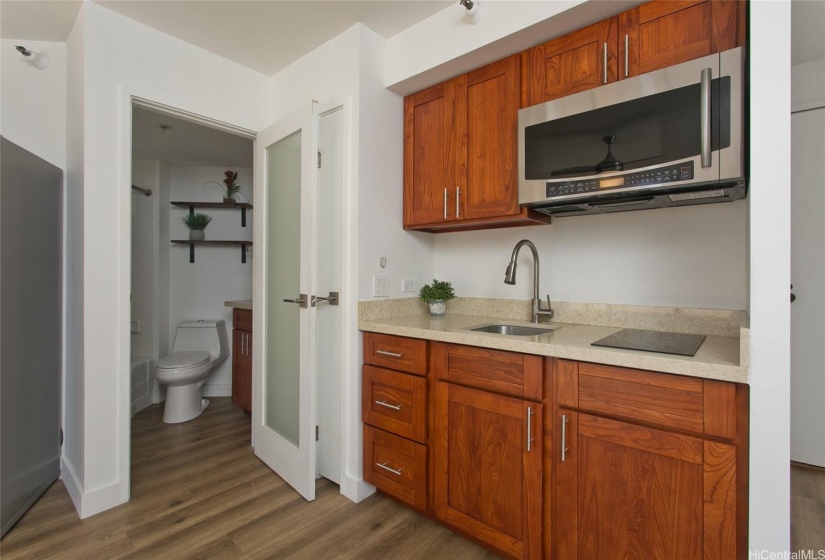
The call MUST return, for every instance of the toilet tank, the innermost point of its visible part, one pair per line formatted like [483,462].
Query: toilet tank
[202,334]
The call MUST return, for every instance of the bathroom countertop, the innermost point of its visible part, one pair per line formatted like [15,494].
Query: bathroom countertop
[239,304]
[721,356]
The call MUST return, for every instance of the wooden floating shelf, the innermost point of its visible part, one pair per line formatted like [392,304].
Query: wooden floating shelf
[242,206]
[192,244]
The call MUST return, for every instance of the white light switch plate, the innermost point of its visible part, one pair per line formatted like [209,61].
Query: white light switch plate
[380,286]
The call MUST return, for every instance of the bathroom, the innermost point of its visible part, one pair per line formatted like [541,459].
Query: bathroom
[176,160]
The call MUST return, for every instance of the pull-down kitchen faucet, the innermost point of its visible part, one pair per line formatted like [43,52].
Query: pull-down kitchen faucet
[510,278]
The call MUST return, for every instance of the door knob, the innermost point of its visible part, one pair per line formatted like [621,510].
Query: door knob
[793,296]
[332,299]
[302,300]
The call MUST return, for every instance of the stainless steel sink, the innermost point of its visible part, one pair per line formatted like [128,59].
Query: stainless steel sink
[512,330]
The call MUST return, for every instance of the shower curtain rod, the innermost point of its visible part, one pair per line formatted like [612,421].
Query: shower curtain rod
[147,192]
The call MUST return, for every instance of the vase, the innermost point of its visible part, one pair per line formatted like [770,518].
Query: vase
[229,200]
[196,235]
[438,307]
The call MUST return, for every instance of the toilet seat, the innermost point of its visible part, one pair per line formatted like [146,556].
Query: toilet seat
[185,359]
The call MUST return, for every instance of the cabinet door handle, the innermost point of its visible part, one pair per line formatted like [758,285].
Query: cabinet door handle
[529,428]
[445,203]
[605,63]
[626,49]
[704,108]
[388,405]
[457,202]
[386,353]
[564,448]
[385,467]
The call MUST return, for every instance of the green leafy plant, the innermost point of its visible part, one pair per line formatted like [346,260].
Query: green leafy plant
[196,221]
[436,291]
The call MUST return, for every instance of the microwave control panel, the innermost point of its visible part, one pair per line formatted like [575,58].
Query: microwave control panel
[656,176]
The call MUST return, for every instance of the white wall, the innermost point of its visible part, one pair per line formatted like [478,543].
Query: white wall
[144,311]
[682,257]
[769,259]
[123,58]
[808,85]
[33,112]
[198,290]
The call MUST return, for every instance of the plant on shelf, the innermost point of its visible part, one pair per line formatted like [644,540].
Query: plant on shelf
[196,224]
[231,190]
[437,294]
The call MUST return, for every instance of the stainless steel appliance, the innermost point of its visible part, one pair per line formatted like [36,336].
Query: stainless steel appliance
[673,137]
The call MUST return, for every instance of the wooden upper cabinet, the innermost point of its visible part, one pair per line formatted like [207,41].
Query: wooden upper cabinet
[460,150]
[663,33]
[490,184]
[647,38]
[572,63]
[431,146]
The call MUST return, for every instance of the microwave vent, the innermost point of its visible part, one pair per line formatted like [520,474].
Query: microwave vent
[697,195]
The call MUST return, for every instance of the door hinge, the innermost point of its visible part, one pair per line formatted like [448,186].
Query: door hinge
[316,433]
[319,159]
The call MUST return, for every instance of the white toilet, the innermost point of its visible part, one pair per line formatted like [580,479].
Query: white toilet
[199,346]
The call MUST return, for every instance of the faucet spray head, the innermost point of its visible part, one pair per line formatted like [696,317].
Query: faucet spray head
[510,273]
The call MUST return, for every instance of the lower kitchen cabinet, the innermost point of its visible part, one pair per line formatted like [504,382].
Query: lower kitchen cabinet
[647,465]
[242,359]
[488,467]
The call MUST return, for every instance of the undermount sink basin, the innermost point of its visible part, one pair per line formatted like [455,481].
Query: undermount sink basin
[512,330]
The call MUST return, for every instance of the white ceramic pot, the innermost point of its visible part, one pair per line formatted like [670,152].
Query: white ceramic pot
[438,307]
[196,235]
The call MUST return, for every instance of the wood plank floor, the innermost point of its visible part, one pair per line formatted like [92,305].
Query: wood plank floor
[807,508]
[198,492]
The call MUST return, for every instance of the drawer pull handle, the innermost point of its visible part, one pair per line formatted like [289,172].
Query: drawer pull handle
[388,405]
[386,468]
[386,353]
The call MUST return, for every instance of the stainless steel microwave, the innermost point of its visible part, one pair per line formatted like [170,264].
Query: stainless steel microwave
[673,137]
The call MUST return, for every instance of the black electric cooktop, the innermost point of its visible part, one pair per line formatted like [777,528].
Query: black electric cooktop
[654,341]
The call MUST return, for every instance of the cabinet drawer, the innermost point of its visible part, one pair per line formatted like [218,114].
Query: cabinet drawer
[510,373]
[396,352]
[395,402]
[672,401]
[396,465]
[242,319]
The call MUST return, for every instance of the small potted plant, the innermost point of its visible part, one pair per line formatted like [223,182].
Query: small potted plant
[437,294]
[231,189]
[196,224]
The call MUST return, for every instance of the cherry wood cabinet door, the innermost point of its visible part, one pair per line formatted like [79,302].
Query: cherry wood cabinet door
[242,369]
[667,32]
[627,491]
[490,185]
[433,132]
[487,479]
[572,63]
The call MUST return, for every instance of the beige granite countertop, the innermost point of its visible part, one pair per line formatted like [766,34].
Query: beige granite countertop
[721,356]
[239,303]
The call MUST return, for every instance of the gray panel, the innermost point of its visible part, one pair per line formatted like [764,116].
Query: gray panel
[30,328]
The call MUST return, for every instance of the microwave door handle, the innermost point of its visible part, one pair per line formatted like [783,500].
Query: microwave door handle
[707,77]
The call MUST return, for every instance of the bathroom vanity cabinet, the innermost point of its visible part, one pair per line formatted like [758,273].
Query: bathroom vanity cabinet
[242,358]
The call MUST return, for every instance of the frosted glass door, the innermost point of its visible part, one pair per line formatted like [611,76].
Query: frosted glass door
[284,375]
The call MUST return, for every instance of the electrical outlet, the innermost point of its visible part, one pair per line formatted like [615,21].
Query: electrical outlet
[380,286]
[407,285]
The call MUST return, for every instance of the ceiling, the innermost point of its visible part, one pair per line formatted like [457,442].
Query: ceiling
[265,36]
[186,143]
[807,27]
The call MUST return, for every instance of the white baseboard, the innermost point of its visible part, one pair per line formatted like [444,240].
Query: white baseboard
[216,390]
[356,489]
[93,502]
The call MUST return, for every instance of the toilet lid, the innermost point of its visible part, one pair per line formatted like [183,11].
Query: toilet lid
[183,359]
